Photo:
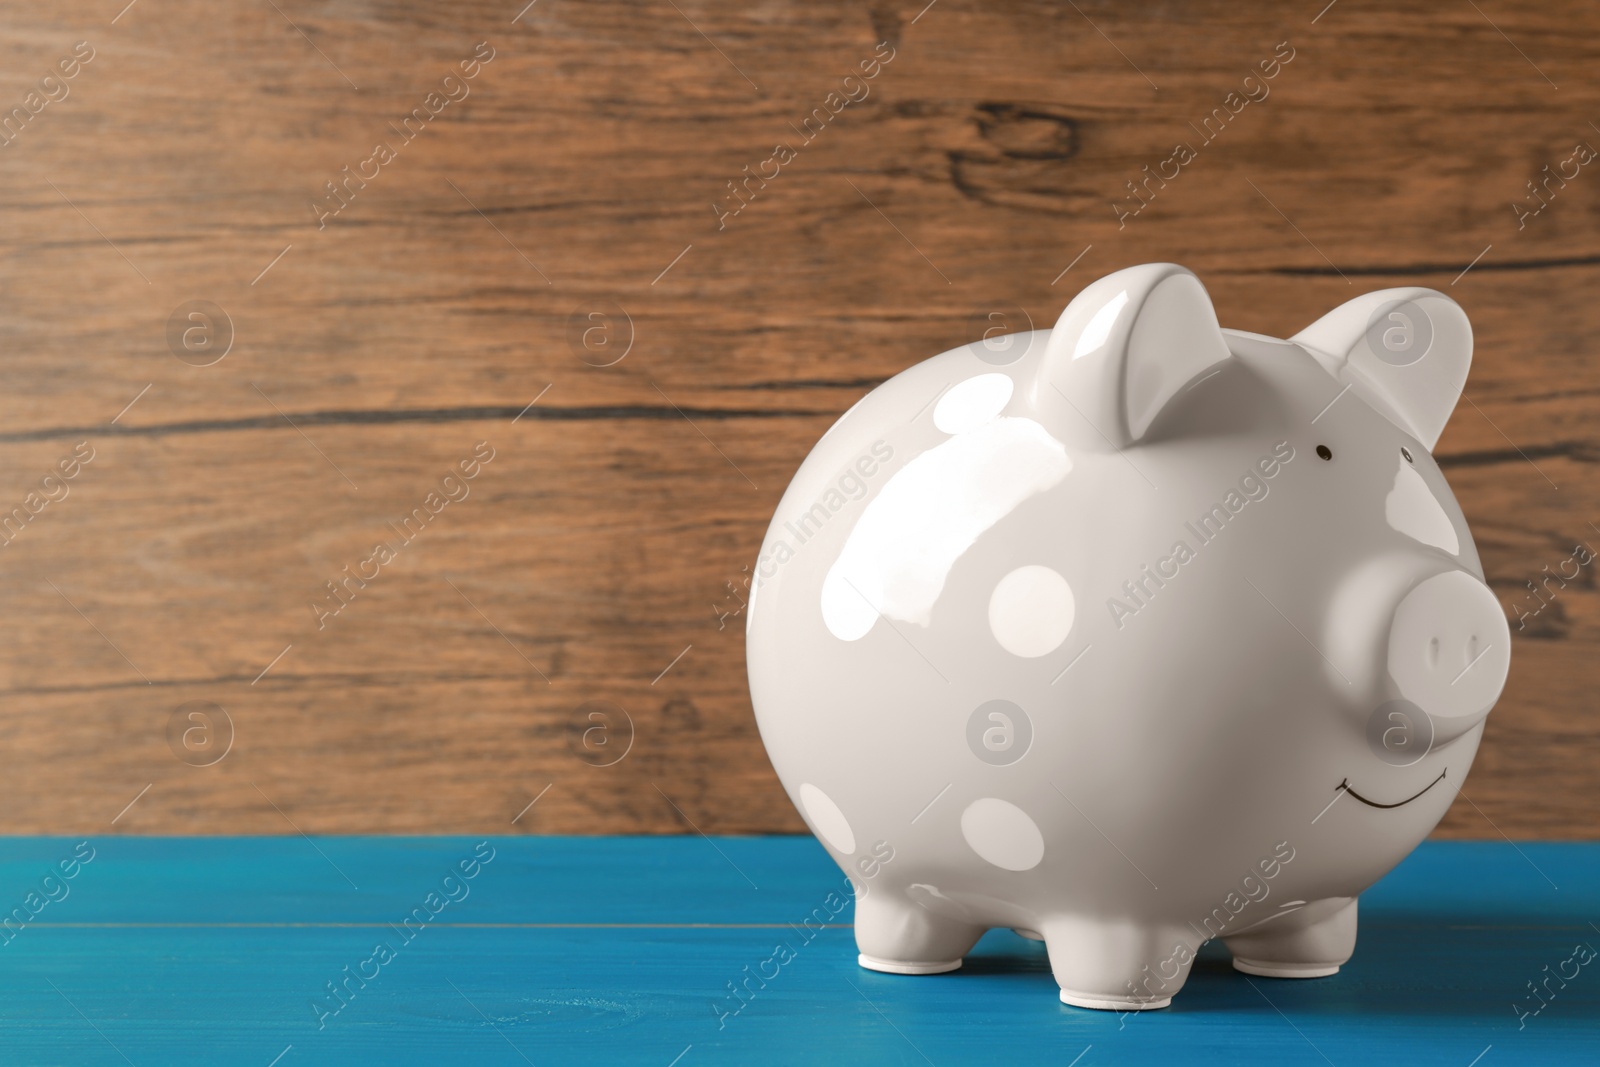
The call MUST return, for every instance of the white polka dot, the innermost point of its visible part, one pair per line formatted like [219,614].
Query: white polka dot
[827,819]
[1031,611]
[1002,834]
[973,403]
[846,611]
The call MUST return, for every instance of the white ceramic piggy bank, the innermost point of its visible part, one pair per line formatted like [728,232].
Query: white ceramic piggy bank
[1131,634]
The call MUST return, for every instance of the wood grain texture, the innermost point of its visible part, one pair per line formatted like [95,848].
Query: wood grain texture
[584,175]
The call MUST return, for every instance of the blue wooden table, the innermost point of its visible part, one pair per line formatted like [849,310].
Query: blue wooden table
[265,951]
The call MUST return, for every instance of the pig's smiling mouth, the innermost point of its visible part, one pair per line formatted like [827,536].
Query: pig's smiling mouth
[1345,786]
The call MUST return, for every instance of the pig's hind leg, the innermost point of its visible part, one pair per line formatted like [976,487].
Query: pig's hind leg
[1310,942]
[899,936]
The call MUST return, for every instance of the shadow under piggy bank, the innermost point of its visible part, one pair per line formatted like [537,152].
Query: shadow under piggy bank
[1490,942]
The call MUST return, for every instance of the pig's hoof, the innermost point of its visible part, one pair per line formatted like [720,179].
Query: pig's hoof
[873,963]
[1310,942]
[898,937]
[1285,970]
[1116,966]
[1088,1000]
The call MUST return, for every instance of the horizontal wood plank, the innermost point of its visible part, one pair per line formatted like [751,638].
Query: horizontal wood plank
[190,951]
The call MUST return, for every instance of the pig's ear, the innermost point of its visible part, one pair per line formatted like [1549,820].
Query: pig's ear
[1406,350]
[1125,347]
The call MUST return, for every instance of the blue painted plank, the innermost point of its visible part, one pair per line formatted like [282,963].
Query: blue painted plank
[585,950]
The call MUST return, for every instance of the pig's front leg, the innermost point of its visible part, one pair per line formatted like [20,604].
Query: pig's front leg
[899,936]
[1118,964]
[1312,942]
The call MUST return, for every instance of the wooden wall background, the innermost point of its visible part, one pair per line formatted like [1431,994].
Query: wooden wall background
[579,177]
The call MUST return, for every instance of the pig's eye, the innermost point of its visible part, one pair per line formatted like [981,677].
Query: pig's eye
[1406,453]
[1324,451]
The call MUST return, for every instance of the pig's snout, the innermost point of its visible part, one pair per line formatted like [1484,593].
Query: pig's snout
[1449,649]
[1440,643]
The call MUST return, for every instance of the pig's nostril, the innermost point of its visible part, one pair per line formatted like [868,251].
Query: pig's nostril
[1449,650]
[1473,662]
